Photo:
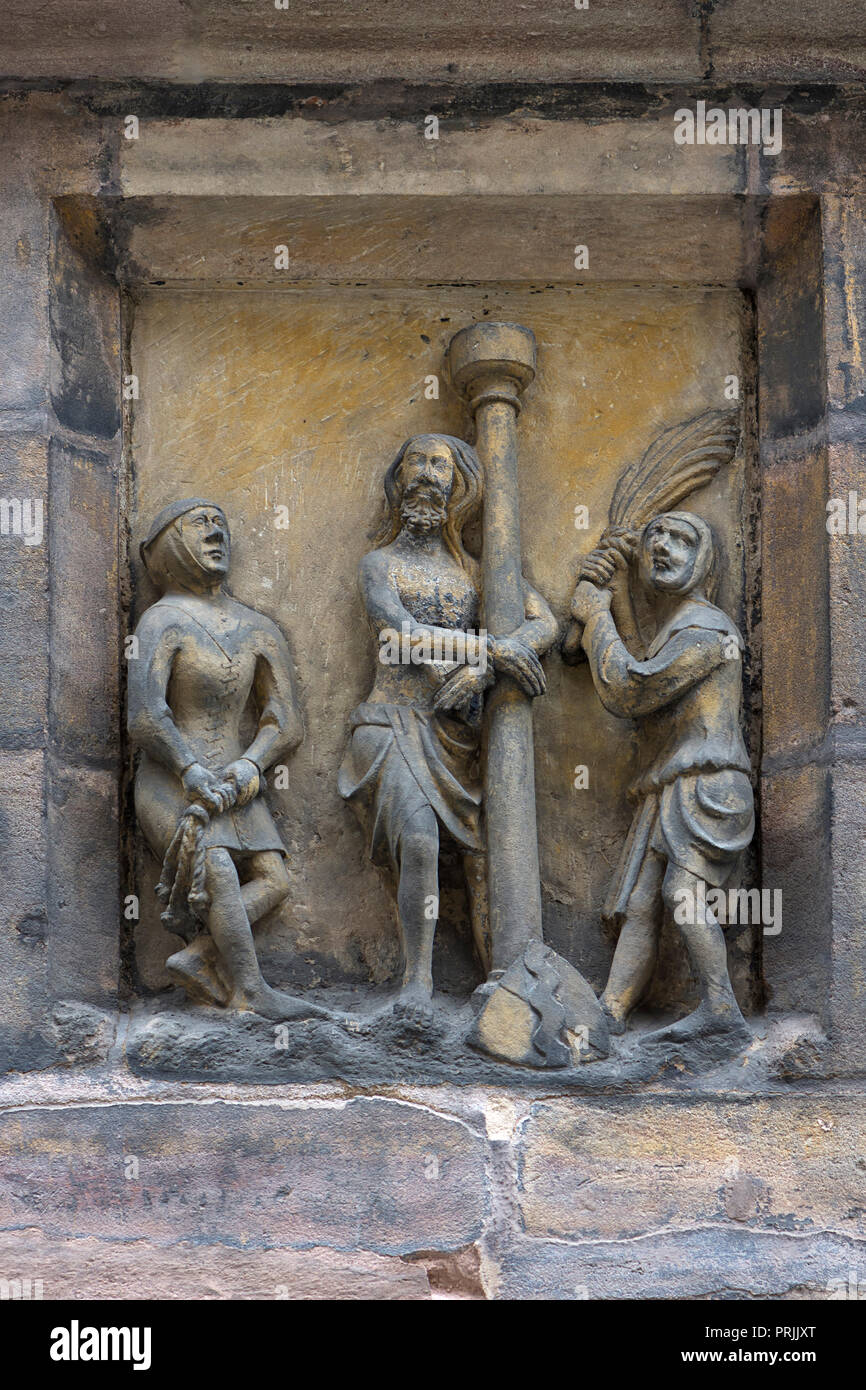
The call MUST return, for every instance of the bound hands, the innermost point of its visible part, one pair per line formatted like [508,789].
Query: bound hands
[237,784]
[509,656]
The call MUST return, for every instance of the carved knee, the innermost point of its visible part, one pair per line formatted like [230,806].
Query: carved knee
[221,872]
[419,842]
[276,878]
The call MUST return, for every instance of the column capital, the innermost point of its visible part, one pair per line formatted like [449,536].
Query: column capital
[492,362]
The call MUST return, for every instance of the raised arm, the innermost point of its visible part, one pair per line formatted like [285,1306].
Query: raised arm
[608,566]
[631,688]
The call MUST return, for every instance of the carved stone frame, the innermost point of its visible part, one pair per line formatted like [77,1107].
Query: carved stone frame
[780,249]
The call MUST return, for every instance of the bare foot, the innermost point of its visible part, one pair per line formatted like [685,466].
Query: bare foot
[414,1004]
[727,1027]
[616,1022]
[194,968]
[273,1004]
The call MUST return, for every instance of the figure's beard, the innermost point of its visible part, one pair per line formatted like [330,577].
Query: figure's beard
[427,512]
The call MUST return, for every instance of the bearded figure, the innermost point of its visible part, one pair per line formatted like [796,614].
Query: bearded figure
[694,808]
[411,768]
[202,659]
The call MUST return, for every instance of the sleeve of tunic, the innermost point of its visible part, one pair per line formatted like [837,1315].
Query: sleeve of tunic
[280,727]
[631,688]
[149,719]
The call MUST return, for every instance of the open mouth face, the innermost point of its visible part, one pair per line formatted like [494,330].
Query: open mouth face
[206,533]
[669,551]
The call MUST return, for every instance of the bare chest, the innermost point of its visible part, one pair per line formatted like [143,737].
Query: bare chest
[444,596]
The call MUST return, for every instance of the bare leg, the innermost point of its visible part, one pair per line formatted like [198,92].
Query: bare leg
[230,928]
[418,905]
[634,959]
[718,1013]
[198,967]
[267,887]
[475,868]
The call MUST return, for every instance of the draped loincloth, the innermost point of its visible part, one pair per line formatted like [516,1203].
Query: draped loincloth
[400,760]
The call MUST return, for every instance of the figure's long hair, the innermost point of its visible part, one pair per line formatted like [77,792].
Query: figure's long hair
[463,504]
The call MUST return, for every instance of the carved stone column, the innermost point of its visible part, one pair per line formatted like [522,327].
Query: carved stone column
[537,1009]
[492,363]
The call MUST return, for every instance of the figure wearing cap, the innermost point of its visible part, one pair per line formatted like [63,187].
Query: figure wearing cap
[695,812]
[202,656]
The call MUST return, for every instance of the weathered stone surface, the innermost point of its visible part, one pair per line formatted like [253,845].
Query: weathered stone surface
[794,579]
[24,322]
[795,855]
[662,41]
[371,1175]
[792,388]
[24,576]
[844,299]
[798,43]
[694,1197]
[24,958]
[89,1268]
[847,564]
[84,899]
[49,148]
[83,1034]
[847,1002]
[85,636]
[85,327]
[167,1037]
[617,1171]
[239,43]
[519,153]
[522,237]
[705,1264]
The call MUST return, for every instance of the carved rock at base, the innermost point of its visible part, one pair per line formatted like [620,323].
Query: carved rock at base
[541,1013]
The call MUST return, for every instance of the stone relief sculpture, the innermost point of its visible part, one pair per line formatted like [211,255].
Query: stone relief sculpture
[442,747]
[198,787]
[694,808]
[411,768]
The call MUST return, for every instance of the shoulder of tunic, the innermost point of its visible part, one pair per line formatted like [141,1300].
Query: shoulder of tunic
[161,617]
[259,622]
[705,616]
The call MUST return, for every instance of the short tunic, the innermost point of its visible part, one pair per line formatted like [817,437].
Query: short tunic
[695,805]
[188,693]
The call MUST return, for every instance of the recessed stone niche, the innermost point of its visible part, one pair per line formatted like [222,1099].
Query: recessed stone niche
[272,390]
[286,405]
